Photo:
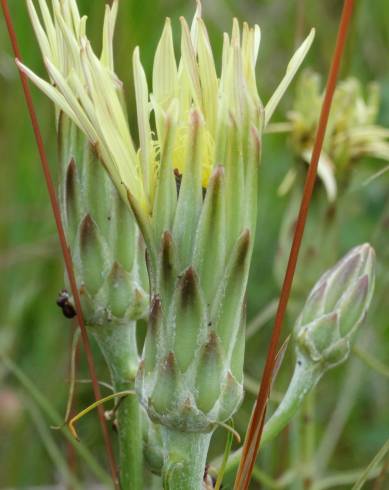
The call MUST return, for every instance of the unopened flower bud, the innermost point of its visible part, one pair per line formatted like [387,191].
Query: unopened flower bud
[324,331]
[336,307]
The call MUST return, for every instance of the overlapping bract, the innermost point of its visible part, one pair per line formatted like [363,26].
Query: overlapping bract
[192,186]
[102,234]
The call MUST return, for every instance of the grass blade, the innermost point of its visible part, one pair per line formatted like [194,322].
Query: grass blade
[55,419]
[375,461]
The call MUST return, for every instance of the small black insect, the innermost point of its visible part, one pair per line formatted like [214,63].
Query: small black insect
[65,304]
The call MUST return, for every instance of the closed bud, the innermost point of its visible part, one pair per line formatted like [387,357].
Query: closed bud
[232,394]
[336,307]
[325,329]
[152,445]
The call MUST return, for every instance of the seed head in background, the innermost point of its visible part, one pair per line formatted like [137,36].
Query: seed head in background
[352,133]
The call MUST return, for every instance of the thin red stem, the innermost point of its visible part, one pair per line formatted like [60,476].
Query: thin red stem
[254,433]
[62,238]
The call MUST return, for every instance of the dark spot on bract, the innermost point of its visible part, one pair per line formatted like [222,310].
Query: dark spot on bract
[178,177]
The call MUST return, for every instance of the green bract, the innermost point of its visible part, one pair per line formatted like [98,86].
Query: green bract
[102,234]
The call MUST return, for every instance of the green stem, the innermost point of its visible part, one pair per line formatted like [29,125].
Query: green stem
[295,449]
[305,377]
[344,479]
[51,447]
[375,461]
[308,433]
[371,362]
[185,455]
[119,347]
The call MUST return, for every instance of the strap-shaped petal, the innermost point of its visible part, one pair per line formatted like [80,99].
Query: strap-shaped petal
[143,113]
[164,74]
[208,77]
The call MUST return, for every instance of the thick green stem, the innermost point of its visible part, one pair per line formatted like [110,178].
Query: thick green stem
[119,347]
[295,449]
[308,433]
[184,459]
[305,377]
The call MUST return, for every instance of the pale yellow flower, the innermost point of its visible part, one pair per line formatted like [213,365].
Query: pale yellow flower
[86,88]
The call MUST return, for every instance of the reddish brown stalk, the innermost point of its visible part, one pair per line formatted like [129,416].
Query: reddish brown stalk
[254,432]
[62,239]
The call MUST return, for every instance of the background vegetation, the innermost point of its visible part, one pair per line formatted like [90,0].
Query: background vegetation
[33,331]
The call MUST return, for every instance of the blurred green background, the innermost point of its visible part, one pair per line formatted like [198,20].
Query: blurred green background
[33,331]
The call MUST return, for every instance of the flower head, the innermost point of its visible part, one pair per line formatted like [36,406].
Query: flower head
[85,87]
[192,185]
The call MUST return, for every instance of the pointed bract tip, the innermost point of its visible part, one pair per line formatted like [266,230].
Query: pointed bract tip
[136,54]
[212,342]
[167,239]
[218,172]
[117,272]
[71,179]
[88,230]
[155,310]
[244,246]
[170,362]
[188,286]
[196,119]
